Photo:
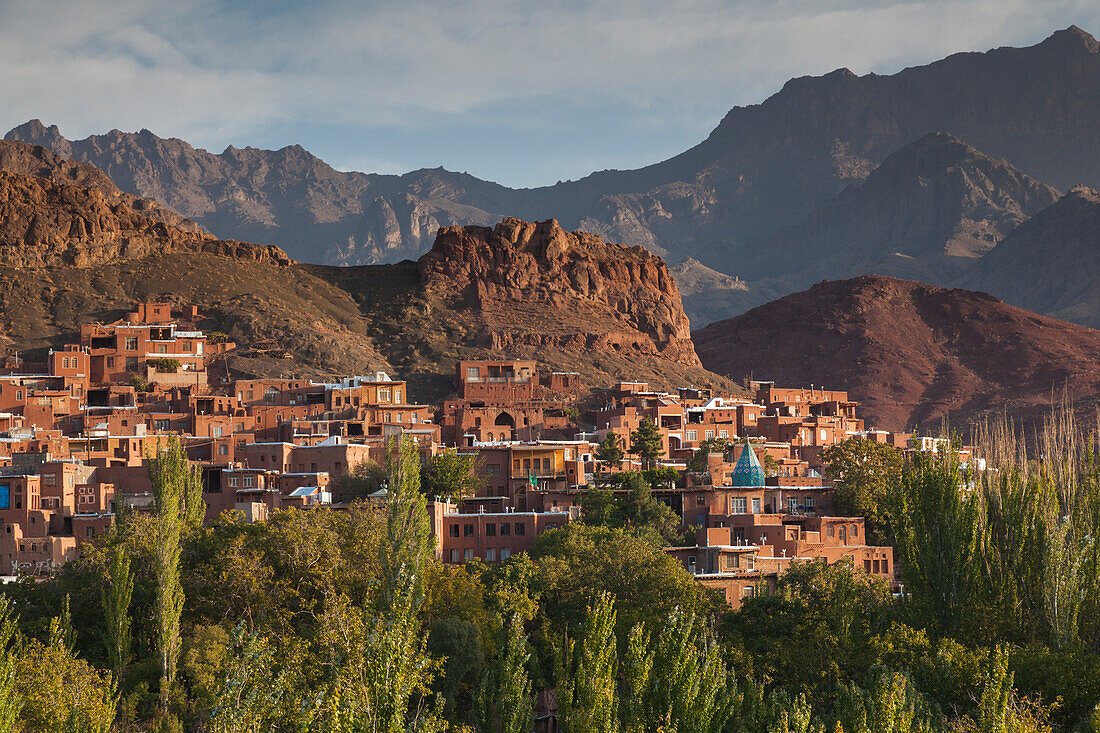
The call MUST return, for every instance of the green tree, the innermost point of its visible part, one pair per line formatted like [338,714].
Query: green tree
[172,478]
[505,694]
[408,544]
[115,598]
[698,461]
[646,443]
[587,673]
[365,478]
[10,700]
[453,475]
[609,453]
[937,539]
[866,473]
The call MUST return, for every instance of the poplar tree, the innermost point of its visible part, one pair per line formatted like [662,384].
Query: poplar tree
[505,695]
[116,609]
[408,544]
[10,702]
[173,480]
[587,673]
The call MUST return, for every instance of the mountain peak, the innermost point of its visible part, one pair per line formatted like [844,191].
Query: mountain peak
[1073,38]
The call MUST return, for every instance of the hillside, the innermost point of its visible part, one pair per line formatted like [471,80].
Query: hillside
[1049,264]
[70,254]
[910,353]
[763,167]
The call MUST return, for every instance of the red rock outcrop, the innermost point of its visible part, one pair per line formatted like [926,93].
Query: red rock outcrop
[910,353]
[55,212]
[534,284]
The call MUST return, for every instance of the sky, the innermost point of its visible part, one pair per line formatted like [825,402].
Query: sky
[523,93]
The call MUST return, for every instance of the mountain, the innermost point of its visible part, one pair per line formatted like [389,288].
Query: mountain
[70,254]
[287,197]
[1049,263]
[49,217]
[911,353]
[928,212]
[710,295]
[763,167]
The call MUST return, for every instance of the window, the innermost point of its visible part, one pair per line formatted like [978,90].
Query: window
[396,397]
[792,504]
[515,465]
[216,431]
[505,553]
[18,394]
[723,433]
[700,499]
[491,530]
[709,434]
[234,481]
[733,562]
[738,505]
[468,554]
[454,556]
[855,530]
[755,506]
[131,343]
[223,450]
[748,591]
[492,469]
[809,503]
[467,530]
[473,374]
[521,529]
[692,435]
[384,394]
[249,480]
[700,519]
[505,529]
[546,468]
[831,532]
[454,530]
[160,424]
[491,554]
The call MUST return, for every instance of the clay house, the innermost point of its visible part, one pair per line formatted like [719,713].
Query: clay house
[489,536]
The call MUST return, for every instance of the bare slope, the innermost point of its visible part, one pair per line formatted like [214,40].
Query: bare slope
[911,353]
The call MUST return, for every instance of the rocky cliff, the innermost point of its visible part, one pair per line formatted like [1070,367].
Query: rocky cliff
[910,353]
[536,285]
[67,214]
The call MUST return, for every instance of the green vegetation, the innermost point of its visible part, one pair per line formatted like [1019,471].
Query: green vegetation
[344,621]
[164,364]
[645,442]
[453,475]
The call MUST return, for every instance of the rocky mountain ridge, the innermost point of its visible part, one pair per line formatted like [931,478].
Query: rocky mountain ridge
[763,167]
[61,213]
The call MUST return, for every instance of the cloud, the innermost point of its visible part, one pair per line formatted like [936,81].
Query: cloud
[604,75]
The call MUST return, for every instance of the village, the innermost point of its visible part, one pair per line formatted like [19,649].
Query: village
[743,474]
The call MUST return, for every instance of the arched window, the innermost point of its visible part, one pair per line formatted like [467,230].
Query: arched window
[271,394]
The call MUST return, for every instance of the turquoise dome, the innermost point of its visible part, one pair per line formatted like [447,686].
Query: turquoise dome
[748,471]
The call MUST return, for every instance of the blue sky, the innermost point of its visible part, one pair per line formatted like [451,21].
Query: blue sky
[524,93]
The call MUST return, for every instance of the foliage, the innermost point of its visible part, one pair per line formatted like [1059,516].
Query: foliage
[116,610]
[867,474]
[453,475]
[365,478]
[698,461]
[505,694]
[587,673]
[646,443]
[166,365]
[609,453]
